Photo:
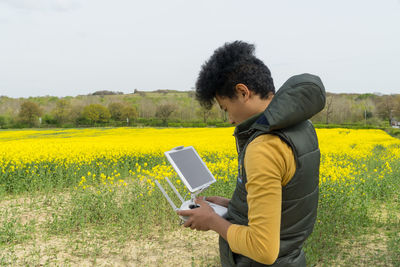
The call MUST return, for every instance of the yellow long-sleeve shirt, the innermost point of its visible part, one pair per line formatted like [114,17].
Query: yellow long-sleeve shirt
[269,163]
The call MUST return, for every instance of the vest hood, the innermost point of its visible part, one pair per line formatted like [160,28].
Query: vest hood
[299,98]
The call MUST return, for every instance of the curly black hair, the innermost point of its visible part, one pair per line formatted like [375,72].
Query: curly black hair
[231,64]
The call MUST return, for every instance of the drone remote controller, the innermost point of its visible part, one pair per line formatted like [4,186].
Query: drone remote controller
[189,204]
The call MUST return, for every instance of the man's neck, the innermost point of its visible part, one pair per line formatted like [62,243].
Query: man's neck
[259,105]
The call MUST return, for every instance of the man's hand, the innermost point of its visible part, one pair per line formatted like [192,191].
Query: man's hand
[199,218]
[204,218]
[222,201]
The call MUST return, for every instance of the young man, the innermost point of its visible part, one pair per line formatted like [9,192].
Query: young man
[274,205]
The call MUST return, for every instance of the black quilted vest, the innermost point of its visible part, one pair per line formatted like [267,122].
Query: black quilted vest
[287,116]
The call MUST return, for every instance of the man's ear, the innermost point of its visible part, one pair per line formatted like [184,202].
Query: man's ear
[242,91]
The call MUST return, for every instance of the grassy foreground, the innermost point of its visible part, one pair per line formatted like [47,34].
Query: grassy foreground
[109,212]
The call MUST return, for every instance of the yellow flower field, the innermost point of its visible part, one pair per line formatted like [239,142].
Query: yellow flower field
[106,153]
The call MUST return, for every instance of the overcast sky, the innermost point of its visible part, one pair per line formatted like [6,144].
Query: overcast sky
[72,47]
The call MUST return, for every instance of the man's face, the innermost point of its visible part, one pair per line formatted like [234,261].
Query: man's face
[235,107]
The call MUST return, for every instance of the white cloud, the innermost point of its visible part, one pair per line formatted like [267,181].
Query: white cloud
[43,5]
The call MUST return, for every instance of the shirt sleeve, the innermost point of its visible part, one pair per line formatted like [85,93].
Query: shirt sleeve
[269,164]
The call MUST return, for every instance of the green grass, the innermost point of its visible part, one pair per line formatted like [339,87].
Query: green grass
[351,215]
[357,224]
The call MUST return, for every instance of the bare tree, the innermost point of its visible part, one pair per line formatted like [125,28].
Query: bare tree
[164,111]
[147,108]
[386,107]
[396,111]
[328,108]
[206,113]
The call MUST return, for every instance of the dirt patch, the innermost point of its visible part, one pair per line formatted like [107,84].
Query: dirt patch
[35,208]
[366,250]
[183,247]
[371,248]
[180,248]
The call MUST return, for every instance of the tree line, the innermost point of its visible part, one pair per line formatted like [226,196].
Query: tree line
[362,109]
[174,108]
[105,108]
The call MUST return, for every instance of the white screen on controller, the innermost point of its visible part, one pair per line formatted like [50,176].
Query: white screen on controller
[191,166]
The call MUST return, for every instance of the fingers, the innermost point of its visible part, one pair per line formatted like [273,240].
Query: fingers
[212,199]
[209,199]
[191,224]
[200,201]
[185,212]
[188,223]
